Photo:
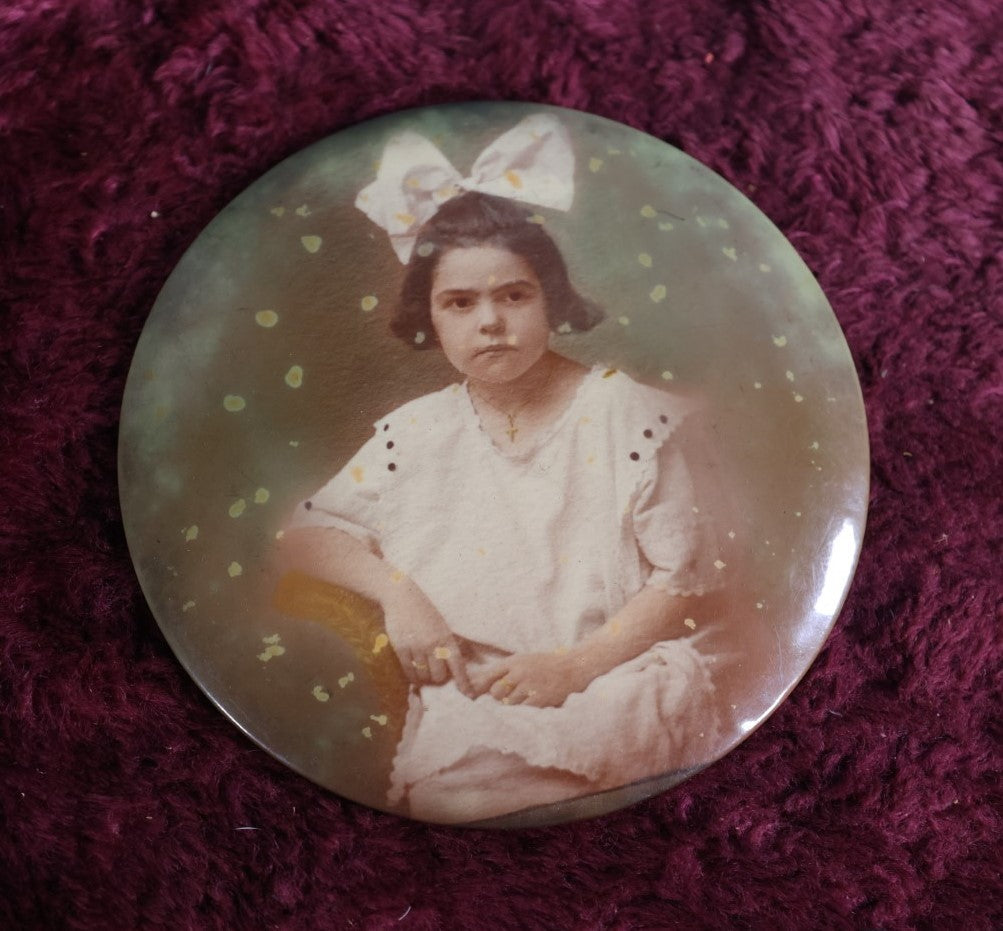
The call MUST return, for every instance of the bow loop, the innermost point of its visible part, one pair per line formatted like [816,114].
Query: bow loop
[533,162]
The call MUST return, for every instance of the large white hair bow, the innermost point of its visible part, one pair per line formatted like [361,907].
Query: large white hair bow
[533,162]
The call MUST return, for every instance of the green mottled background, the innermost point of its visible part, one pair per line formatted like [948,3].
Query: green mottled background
[743,326]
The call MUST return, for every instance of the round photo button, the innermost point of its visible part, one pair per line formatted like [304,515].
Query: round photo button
[493,464]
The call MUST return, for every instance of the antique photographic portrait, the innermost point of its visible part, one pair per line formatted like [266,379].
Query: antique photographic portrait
[491,410]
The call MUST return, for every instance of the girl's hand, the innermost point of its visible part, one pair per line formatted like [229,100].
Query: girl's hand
[427,650]
[544,680]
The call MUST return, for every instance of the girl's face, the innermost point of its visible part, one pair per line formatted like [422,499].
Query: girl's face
[489,312]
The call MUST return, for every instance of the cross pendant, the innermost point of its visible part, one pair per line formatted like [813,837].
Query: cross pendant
[512,430]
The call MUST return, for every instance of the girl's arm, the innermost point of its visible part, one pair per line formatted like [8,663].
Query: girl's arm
[546,679]
[426,648]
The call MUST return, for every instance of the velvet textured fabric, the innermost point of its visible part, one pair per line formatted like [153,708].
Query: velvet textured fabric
[870,132]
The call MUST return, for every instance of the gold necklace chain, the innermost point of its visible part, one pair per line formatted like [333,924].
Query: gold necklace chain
[511,416]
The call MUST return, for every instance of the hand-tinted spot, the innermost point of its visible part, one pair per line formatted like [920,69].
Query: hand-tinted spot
[648,434]
[635,456]
[663,418]
[308,505]
[392,466]
[390,444]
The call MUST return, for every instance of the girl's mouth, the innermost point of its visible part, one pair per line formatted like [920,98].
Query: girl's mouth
[495,348]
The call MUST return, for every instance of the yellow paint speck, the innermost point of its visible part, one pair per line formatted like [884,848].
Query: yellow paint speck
[234,403]
[718,564]
[665,226]
[797,513]
[191,533]
[730,252]
[346,679]
[759,606]
[419,337]
[274,638]
[397,576]
[238,507]
[279,534]
[266,318]
[724,224]
[648,211]
[294,443]
[234,569]
[590,459]
[188,605]
[644,259]
[780,341]
[764,268]
[271,652]
[758,385]
[564,328]
[658,293]
[380,643]
[380,719]
[369,302]
[537,219]
[814,445]
[595,164]
[261,496]
[481,551]
[294,377]
[690,623]
[623,321]
[667,375]
[367,732]
[798,398]
[701,221]
[615,627]
[320,693]
[442,653]
[789,375]
[359,474]
[302,210]
[277,211]
[312,244]
[425,249]
[731,534]
[513,178]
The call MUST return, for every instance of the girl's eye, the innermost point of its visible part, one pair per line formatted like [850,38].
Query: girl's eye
[459,303]
[515,296]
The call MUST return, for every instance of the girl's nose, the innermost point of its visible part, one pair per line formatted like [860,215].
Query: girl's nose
[489,320]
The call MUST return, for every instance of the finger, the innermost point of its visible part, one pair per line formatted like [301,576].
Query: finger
[501,688]
[406,659]
[535,699]
[482,678]
[458,669]
[438,671]
[517,696]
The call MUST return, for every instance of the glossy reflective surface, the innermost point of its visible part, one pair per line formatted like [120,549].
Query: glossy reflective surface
[266,362]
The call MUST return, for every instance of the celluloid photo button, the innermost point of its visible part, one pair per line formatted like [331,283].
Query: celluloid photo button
[493,464]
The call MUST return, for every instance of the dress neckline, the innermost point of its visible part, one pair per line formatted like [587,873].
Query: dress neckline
[469,412]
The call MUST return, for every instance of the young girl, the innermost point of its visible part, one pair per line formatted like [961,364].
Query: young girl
[530,533]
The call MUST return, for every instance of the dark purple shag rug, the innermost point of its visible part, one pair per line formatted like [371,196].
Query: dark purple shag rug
[871,133]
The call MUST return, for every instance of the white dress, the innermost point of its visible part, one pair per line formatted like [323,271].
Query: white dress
[532,552]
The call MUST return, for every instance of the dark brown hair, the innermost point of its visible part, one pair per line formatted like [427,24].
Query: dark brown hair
[478,220]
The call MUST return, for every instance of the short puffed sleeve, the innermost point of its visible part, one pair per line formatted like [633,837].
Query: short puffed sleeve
[673,526]
[357,498]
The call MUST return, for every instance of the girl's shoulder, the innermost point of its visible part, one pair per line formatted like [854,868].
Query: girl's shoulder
[634,411]
[433,415]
